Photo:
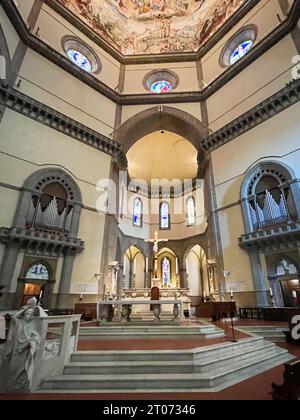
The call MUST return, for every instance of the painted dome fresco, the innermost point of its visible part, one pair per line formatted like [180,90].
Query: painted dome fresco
[138,27]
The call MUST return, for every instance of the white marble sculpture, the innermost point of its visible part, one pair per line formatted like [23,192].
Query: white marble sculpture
[22,343]
[112,281]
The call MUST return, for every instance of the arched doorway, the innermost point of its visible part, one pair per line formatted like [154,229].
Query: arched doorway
[37,281]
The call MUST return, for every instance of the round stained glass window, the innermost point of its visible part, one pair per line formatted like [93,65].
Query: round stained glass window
[80,60]
[81,54]
[238,46]
[161,86]
[241,51]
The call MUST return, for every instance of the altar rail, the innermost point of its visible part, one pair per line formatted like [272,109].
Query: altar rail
[269,313]
[120,310]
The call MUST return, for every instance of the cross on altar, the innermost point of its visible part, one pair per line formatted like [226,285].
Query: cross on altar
[155,242]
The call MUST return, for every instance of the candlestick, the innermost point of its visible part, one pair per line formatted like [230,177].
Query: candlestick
[271,292]
[231,294]
[204,294]
[124,266]
[186,266]
[134,267]
[147,265]
[41,294]
[176,266]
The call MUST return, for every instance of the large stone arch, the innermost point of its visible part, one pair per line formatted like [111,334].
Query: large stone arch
[160,118]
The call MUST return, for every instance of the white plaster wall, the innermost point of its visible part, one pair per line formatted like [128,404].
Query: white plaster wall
[47,83]
[24,7]
[11,36]
[52,28]
[186,72]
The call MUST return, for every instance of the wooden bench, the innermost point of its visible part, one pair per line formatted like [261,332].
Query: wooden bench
[290,389]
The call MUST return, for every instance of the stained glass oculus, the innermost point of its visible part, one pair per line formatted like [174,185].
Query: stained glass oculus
[241,51]
[80,60]
[161,86]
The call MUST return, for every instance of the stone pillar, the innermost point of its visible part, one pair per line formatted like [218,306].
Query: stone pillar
[259,283]
[8,266]
[295,191]
[65,281]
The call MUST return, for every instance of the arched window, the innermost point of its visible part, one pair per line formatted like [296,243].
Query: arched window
[268,196]
[37,271]
[137,212]
[166,270]
[164,216]
[50,210]
[190,211]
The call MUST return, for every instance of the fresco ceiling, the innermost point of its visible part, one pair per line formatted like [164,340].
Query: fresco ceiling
[138,27]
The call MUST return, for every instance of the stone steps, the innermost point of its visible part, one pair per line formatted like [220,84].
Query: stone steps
[273,334]
[204,369]
[105,332]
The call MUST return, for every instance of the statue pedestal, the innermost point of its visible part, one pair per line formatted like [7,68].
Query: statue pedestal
[156,282]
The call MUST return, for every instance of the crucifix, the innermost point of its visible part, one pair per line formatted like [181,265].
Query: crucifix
[155,242]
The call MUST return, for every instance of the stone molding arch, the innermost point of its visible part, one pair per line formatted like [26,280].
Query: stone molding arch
[36,182]
[278,170]
[160,118]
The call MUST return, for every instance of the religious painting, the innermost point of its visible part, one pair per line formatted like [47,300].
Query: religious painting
[154,26]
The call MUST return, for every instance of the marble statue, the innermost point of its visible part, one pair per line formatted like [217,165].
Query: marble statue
[23,341]
[112,281]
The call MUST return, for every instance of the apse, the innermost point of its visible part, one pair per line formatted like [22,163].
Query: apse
[162,155]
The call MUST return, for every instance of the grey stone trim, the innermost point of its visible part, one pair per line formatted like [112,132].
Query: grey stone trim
[42,243]
[153,119]
[49,53]
[258,278]
[146,59]
[267,109]
[4,51]
[276,239]
[25,105]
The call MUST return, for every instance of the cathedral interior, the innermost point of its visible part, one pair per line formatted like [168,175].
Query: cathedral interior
[150,196]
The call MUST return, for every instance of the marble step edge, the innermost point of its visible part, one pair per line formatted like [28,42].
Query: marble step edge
[83,367]
[174,379]
[194,352]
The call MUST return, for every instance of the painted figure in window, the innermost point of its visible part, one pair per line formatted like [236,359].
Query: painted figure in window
[166,271]
[241,51]
[80,60]
[37,271]
[137,212]
[164,216]
[191,216]
[162,86]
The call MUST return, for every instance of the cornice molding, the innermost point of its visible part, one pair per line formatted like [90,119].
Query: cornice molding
[60,60]
[31,108]
[152,58]
[37,111]
[267,109]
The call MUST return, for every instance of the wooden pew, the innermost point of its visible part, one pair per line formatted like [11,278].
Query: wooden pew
[290,389]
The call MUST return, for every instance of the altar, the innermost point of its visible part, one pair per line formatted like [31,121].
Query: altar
[120,310]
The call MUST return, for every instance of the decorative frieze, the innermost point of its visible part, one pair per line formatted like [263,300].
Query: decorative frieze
[41,243]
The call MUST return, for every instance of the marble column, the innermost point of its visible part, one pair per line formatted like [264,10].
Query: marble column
[259,282]
[65,281]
